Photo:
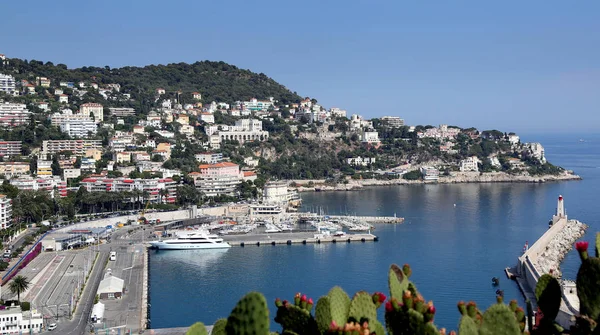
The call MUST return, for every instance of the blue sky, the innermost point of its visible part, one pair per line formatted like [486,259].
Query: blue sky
[526,66]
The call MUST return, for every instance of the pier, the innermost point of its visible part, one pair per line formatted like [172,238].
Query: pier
[544,257]
[369,219]
[295,238]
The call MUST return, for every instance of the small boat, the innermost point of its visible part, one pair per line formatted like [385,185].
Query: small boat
[339,233]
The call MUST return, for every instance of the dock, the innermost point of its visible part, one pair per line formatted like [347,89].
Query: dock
[295,238]
[369,219]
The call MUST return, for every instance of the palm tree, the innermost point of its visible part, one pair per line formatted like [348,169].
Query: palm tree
[19,284]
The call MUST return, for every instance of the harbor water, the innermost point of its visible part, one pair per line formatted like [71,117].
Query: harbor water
[455,237]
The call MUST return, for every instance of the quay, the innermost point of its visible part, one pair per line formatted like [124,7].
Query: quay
[295,238]
[369,219]
[544,257]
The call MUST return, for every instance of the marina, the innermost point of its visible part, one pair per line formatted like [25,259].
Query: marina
[297,238]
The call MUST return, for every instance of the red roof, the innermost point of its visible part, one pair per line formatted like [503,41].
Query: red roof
[217,165]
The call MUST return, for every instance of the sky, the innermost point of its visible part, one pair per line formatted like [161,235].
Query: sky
[524,66]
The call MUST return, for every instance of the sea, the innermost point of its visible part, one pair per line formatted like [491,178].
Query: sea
[456,238]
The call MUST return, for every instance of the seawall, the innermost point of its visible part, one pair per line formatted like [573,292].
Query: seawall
[144,309]
[544,257]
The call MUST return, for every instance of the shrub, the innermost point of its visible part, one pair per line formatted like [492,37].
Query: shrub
[25,305]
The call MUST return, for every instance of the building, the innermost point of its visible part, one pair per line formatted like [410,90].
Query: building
[7,84]
[243,131]
[430,173]
[14,169]
[159,190]
[94,110]
[12,114]
[278,193]
[10,148]
[65,115]
[79,128]
[71,173]
[43,81]
[207,117]
[63,99]
[370,138]
[197,96]
[111,287]
[5,211]
[186,129]
[94,153]
[393,121]
[47,183]
[77,147]
[217,179]
[123,157]
[209,157]
[361,161]
[337,112]
[14,320]
[255,105]
[43,106]
[122,111]
[470,164]
[44,168]
[160,91]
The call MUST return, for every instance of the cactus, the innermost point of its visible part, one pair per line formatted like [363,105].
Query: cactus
[219,327]
[296,318]
[362,306]
[197,329]
[249,317]
[548,295]
[597,244]
[398,282]
[499,320]
[340,305]
[376,327]
[323,314]
[588,281]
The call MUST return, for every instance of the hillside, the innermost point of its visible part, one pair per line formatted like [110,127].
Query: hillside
[216,81]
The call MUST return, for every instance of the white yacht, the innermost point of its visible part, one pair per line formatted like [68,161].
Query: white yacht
[191,240]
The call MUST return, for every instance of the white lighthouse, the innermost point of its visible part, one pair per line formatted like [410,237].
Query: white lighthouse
[560,210]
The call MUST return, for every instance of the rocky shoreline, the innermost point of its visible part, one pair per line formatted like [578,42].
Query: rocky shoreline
[549,261]
[454,178]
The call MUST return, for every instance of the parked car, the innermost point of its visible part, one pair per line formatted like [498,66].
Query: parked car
[52,326]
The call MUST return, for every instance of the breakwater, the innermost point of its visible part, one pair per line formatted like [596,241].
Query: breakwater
[545,256]
[295,238]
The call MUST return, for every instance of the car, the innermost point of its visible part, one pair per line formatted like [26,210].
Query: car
[51,326]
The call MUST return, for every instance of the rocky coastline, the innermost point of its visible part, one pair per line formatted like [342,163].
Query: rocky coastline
[556,250]
[454,178]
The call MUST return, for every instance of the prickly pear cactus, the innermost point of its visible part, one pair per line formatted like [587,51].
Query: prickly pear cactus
[548,295]
[296,317]
[499,319]
[249,317]
[588,282]
[467,325]
[197,329]
[219,327]
[362,306]
[340,305]
[398,281]
[323,314]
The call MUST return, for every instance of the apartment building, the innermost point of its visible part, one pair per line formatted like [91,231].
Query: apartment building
[7,84]
[470,164]
[122,111]
[14,169]
[153,188]
[209,157]
[77,147]
[12,114]
[5,211]
[53,184]
[65,115]
[393,121]
[44,168]
[93,109]
[10,148]
[79,128]
[217,179]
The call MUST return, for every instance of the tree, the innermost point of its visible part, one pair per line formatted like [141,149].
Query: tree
[56,170]
[19,284]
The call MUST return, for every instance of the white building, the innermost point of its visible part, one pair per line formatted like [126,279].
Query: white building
[470,164]
[255,105]
[63,98]
[77,147]
[14,321]
[513,139]
[360,161]
[244,130]
[370,137]
[122,111]
[12,114]
[393,121]
[5,211]
[93,109]
[430,173]
[217,179]
[207,117]
[337,112]
[7,84]
[209,157]
[79,128]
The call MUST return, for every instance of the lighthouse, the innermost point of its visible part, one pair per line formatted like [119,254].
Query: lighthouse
[560,210]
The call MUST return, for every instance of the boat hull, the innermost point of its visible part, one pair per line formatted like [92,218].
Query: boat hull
[188,246]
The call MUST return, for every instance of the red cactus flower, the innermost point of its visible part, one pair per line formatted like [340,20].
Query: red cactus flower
[303,298]
[382,297]
[333,325]
[310,301]
[431,309]
[582,246]
[388,306]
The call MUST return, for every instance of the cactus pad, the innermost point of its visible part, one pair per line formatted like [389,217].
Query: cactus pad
[398,281]
[197,329]
[499,320]
[249,317]
[467,326]
[588,282]
[362,306]
[548,295]
[219,327]
[340,305]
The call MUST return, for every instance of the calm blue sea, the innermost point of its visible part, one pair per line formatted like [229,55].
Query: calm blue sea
[454,250]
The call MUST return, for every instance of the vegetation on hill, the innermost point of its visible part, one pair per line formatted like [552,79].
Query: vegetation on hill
[216,81]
